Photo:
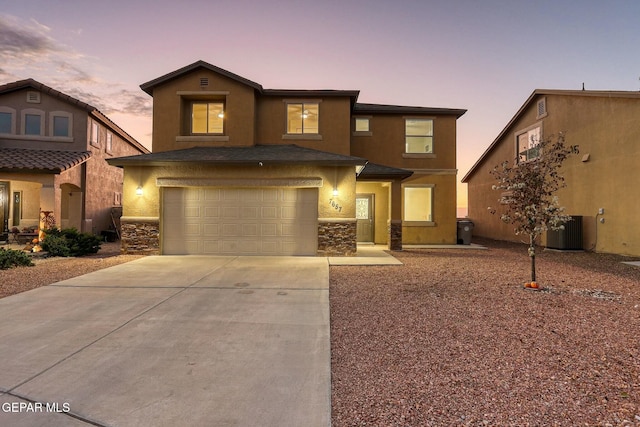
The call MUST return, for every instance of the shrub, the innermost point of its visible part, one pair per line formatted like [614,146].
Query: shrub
[10,258]
[69,242]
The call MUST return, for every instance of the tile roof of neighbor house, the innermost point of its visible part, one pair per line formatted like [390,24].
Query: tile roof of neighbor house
[265,154]
[544,92]
[90,109]
[40,161]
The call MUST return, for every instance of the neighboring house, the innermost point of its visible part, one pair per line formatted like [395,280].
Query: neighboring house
[53,169]
[602,176]
[239,169]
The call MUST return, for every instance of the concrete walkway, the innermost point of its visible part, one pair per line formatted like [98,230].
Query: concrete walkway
[171,341]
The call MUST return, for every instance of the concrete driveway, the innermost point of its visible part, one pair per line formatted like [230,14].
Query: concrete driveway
[171,341]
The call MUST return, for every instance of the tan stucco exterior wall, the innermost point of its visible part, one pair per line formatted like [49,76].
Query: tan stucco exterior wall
[381,193]
[386,144]
[444,228]
[334,123]
[149,203]
[606,130]
[169,105]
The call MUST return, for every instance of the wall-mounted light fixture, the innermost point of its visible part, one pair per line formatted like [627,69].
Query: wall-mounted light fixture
[139,190]
[335,192]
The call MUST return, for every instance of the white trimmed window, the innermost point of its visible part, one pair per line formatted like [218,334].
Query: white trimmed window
[527,142]
[418,203]
[362,124]
[32,122]
[303,118]
[94,134]
[60,124]
[108,145]
[7,120]
[419,136]
[207,118]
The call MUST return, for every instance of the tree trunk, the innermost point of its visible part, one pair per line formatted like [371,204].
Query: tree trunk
[532,255]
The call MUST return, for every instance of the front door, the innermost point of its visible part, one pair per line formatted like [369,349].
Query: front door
[364,217]
[4,207]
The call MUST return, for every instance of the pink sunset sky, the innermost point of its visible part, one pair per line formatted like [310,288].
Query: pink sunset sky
[483,56]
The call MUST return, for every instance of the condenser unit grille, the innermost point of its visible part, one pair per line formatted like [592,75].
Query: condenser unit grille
[568,239]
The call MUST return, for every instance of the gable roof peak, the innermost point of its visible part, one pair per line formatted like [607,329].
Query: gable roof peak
[150,85]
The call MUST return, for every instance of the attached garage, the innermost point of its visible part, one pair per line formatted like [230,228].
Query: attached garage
[239,221]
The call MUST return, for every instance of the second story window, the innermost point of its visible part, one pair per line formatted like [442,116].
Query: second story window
[7,123]
[302,118]
[32,122]
[419,136]
[94,136]
[527,144]
[60,124]
[108,146]
[362,124]
[207,118]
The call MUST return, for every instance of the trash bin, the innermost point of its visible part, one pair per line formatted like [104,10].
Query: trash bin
[465,229]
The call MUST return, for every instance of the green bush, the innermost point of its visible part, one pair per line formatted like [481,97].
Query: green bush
[10,258]
[69,242]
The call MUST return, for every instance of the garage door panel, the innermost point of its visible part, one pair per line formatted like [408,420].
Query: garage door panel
[227,221]
[269,230]
[211,194]
[212,212]
[211,230]
[250,212]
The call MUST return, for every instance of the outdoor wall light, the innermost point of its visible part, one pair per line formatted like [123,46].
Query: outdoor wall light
[139,190]
[335,192]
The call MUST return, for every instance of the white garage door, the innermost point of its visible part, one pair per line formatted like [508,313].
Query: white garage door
[240,221]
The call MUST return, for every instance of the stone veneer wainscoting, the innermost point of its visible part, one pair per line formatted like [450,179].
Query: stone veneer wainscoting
[140,236]
[395,235]
[337,237]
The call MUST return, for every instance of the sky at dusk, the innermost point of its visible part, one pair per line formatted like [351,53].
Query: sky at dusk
[484,56]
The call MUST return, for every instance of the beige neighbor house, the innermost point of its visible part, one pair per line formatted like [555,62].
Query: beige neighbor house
[602,176]
[53,169]
[239,169]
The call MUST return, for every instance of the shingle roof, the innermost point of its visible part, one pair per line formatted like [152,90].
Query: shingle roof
[376,171]
[150,85]
[267,154]
[360,108]
[40,161]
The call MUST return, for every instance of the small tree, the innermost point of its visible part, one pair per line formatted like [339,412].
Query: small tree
[528,192]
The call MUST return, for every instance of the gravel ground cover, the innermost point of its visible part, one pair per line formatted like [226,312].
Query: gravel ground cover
[451,338]
[51,270]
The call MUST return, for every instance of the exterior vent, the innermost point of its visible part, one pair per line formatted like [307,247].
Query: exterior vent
[33,97]
[204,81]
[568,239]
[542,108]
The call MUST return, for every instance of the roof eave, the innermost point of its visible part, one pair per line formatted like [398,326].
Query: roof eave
[150,85]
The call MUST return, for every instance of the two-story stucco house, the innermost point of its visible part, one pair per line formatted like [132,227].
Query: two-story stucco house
[602,176]
[53,169]
[239,169]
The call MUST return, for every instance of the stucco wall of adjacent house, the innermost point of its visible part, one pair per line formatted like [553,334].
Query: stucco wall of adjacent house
[104,182]
[18,101]
[603,174]
[170,121]
[334,123]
